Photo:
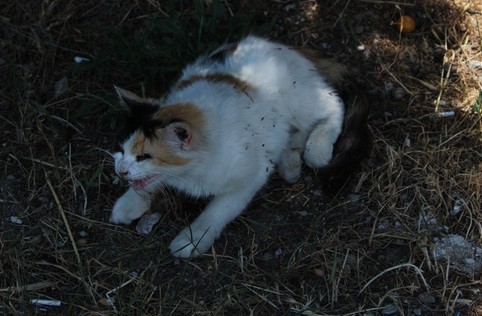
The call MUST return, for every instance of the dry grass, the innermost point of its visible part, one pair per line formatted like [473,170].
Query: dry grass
[295,250]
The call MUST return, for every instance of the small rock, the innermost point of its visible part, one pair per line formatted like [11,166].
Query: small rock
[278,252]
[426,298]
[290,7]
[458,206]
[61,86]
[388,86]
[79,59]
[325,45]
[267,256]
[417,312]
[354,197]
[83,234]
[416,69]
[390,310]
[319,272]
[81,241]
[470,261]
[359,29]
[475,64]
[146,223]
[15,220]
[398,94]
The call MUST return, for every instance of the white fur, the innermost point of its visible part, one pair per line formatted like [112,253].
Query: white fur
[290,113]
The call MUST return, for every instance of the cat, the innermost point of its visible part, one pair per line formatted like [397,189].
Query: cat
[235,116]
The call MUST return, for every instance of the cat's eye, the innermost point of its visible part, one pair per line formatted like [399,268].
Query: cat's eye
[143,157]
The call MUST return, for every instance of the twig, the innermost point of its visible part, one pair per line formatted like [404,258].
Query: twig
[387,2]
[28,287]
[48,164]
[64,218]
[409,265]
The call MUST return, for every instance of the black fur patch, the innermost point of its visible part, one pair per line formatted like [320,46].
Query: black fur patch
[149,127]
[355,141]
[139,114]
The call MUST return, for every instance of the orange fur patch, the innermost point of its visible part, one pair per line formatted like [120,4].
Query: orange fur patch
[161,153]
[238,84]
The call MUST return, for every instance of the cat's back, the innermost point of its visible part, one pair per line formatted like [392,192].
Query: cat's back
[264,64]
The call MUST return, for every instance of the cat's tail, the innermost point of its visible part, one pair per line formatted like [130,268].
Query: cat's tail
[354,143]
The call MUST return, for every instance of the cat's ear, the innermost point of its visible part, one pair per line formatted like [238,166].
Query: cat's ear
[178,135]
[134,103]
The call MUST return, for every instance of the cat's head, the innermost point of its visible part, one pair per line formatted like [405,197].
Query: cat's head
[162,140]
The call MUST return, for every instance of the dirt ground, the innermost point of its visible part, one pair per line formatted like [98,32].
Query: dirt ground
[403,238]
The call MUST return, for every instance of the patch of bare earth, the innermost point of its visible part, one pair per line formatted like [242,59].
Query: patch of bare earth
[386,245]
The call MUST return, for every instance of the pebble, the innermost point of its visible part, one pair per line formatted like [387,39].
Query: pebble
[390,310]
[147,222]
[426,298]
[470,261]
[398,94]
[267,256]
[475,64]
[79,59]
[354,197]
[290,7]
[61,86]
[388,86]
[359,29]
[325,45]
[457,208]
[82,242]
[15,220]
[417,312]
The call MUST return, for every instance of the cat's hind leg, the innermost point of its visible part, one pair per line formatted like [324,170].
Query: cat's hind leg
[319,146]
[130,206]
[289,167]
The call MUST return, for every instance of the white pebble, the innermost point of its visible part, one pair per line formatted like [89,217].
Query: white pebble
[15,220]
[79,59]
[446,114]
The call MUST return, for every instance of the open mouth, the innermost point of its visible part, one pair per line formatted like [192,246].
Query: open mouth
[142,183]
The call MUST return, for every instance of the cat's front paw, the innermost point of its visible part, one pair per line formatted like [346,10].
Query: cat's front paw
[191,242]
[129,207]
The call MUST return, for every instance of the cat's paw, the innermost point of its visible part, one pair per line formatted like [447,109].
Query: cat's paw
[129,207]
[289,167]
[191,242]
[318,155]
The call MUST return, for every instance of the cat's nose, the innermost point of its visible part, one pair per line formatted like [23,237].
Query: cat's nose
[123,174]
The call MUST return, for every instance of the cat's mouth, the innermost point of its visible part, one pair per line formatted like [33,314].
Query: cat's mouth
[140,184]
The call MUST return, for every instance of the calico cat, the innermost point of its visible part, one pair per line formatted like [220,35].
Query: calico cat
[232,118]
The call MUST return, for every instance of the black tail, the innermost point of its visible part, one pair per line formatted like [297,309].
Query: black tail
[354,143]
